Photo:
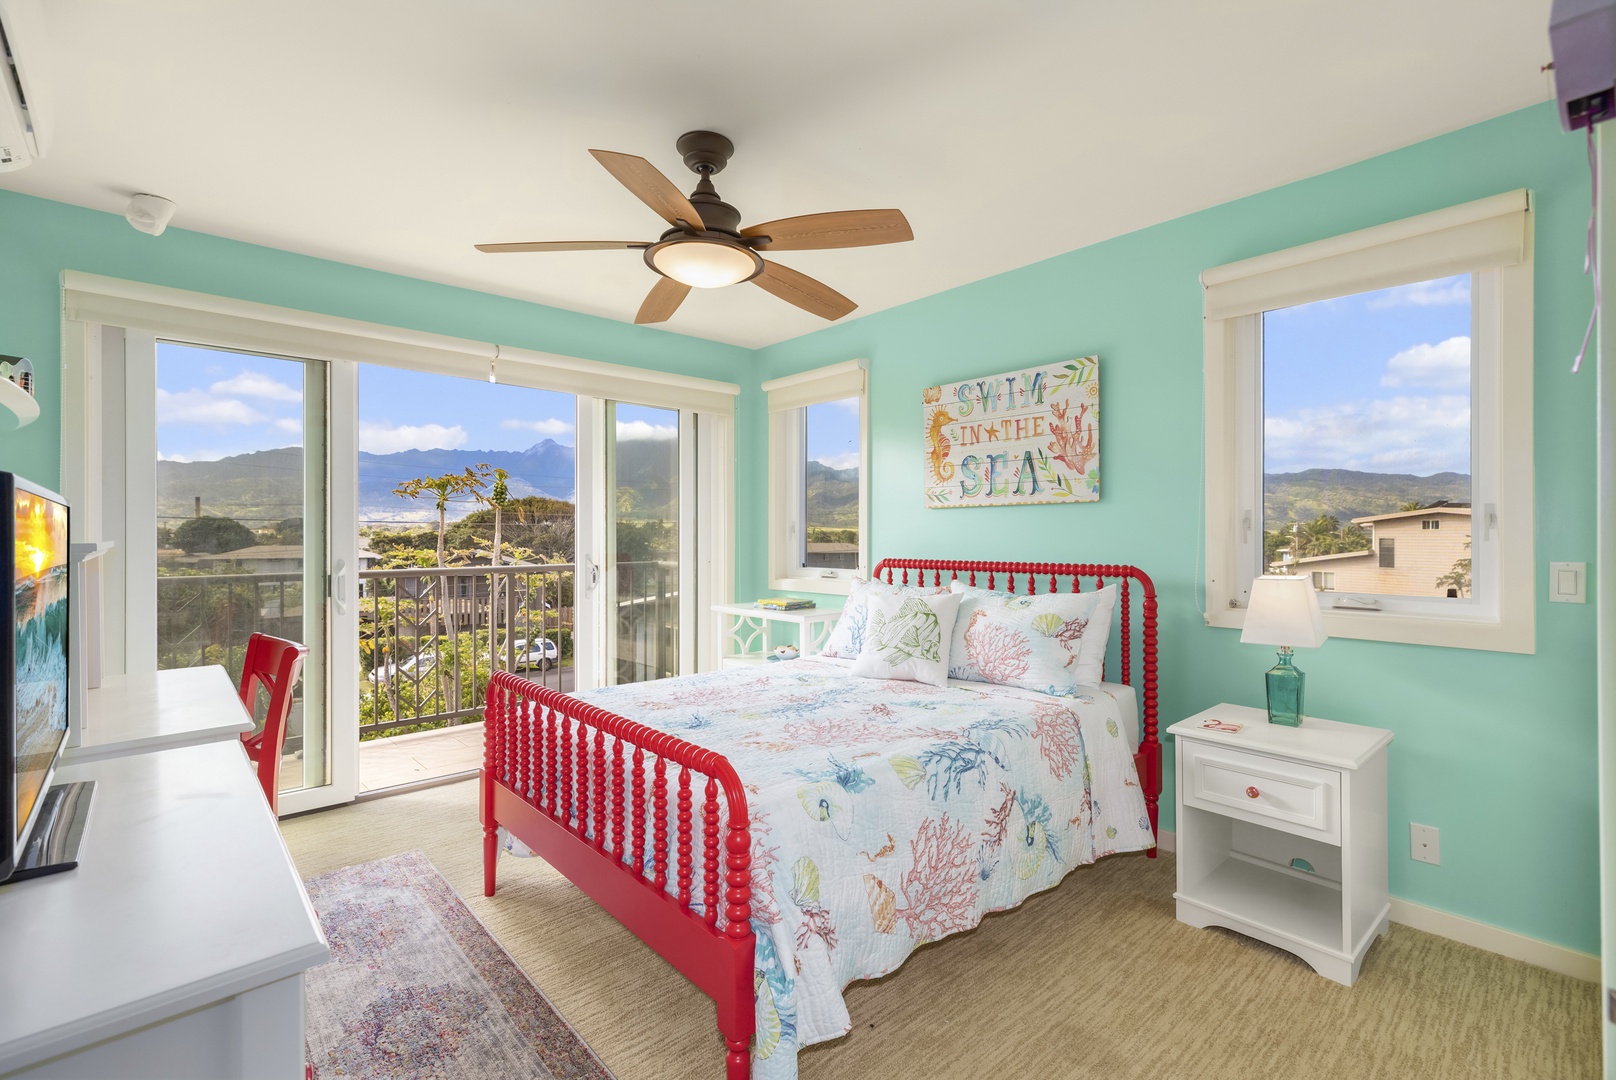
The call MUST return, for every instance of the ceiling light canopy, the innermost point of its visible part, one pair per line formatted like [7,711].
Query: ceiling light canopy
[703,263]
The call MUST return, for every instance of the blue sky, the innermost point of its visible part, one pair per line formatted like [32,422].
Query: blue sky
[213,404]
[1377,382]
[833,433]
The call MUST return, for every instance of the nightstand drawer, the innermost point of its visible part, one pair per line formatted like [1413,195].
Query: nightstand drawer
[1283,795]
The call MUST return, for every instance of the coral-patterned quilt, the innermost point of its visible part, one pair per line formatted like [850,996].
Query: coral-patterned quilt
[886,814]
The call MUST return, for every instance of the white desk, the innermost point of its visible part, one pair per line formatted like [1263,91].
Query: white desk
[177,947]
[159,710]
[745,638]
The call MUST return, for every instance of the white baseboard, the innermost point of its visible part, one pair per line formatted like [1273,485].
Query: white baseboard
[1494,939]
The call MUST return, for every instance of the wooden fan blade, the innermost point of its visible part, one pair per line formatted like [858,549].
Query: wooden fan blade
[840,229]
[662,301]
[802,290]
[565,245]
[650,186]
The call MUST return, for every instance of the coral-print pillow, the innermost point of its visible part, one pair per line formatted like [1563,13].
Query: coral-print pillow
[847,639]
[907,637]
[1053,642]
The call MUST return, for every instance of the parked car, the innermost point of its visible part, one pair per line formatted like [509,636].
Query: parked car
[419,664]
[542,654]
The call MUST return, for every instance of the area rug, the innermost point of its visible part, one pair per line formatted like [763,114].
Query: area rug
[417,987]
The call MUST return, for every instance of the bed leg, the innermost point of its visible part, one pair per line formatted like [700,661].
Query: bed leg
[738,1062]
[1151,808]
[490,836]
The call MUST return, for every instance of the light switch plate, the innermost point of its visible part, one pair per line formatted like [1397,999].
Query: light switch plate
[1568,582]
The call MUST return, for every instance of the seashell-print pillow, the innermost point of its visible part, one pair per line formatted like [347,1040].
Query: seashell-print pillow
[846,640]
[907,637]
[1051,642]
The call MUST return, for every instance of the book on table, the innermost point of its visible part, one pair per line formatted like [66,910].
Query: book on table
[784,603]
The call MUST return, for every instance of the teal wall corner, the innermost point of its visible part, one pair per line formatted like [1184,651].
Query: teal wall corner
[1496,750]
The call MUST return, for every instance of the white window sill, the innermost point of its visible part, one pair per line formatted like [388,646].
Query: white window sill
[1453,632]
[840,586]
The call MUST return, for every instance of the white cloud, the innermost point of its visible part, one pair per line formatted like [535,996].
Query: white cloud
[252,384]
[375,438]
[634,430]
[201,407]
[1419,435]
[550,429]
[289,425]
[848,460]
[1443,366]
[199,455]
[1453,290]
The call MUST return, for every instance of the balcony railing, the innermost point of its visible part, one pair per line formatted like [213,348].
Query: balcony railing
[432,637]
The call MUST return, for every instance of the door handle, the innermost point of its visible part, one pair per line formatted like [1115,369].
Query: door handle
[339,586]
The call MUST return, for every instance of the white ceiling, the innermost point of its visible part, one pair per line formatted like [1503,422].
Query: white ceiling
[396,133]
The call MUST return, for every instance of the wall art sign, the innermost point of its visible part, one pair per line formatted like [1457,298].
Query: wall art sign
[1028,436]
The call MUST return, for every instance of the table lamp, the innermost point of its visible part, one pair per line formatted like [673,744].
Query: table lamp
[1284,611]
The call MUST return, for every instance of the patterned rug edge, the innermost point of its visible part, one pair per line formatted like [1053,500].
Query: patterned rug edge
[499,970]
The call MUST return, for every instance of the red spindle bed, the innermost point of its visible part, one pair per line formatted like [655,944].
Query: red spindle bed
[569,780]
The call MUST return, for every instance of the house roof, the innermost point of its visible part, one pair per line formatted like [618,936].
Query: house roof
[1335,557]
[260,553]
[1429,511]
[423,128]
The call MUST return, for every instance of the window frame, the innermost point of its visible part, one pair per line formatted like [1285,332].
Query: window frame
[1490,239]
[789,398]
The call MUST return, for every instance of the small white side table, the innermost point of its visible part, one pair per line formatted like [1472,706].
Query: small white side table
[745,631]
[1282,834]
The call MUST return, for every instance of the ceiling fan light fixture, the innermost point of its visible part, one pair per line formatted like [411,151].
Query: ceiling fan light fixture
[704,264]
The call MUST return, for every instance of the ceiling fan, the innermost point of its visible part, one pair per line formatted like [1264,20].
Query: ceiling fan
[707,249]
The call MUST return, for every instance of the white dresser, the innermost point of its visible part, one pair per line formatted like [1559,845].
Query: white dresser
[177,947]
[1282,834]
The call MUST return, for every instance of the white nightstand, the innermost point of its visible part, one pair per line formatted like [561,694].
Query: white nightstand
[1254,803]
[745,638]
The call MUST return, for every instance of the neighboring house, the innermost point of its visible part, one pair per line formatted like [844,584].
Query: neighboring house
[1408,551]
[838,556]
[260,559]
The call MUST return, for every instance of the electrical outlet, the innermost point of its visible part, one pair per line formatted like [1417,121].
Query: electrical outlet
[1425,843]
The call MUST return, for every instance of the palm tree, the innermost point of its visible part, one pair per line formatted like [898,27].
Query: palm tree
[444,489]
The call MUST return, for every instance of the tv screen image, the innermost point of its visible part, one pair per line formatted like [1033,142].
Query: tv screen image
[40,643]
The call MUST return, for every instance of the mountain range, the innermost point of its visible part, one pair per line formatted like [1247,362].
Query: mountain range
[1345,494]
[266,486]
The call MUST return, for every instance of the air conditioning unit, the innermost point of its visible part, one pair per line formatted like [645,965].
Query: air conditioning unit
[24,94]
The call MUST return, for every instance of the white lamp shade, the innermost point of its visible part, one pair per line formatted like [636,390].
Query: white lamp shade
[704,265]
[1284,610]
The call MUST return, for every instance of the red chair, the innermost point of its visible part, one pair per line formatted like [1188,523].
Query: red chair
[275,664]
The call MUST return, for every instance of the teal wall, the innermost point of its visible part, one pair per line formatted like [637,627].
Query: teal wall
[1497,750]
[39,239]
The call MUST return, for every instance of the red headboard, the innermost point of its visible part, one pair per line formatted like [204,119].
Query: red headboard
[1004,575]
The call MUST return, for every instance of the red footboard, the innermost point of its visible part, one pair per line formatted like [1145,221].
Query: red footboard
[1148,760]
[589,792]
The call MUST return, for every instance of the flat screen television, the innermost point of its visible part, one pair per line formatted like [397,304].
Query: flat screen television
[35,557]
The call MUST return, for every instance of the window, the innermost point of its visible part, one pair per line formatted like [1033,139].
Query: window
[1356,386]
[818,535]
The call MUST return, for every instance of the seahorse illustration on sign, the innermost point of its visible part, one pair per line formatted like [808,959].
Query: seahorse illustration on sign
[941,467]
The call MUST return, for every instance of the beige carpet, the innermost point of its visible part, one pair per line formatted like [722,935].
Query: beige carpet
[1093,979]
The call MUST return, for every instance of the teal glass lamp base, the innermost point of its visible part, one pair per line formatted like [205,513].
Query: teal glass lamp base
[1285,682]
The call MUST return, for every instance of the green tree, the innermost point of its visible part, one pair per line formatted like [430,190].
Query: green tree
[211,535]
[1458,577]
[288,531]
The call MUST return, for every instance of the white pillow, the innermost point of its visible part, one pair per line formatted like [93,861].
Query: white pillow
[847,638]
[1051,642]
[908,638]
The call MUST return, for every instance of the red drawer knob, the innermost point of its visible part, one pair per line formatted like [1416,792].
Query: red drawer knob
[1252,793]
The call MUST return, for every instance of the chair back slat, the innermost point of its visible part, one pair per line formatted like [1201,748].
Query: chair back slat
[274,664]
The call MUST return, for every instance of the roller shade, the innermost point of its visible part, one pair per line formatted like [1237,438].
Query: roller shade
[225,322]
[1480,235]
[831,383]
